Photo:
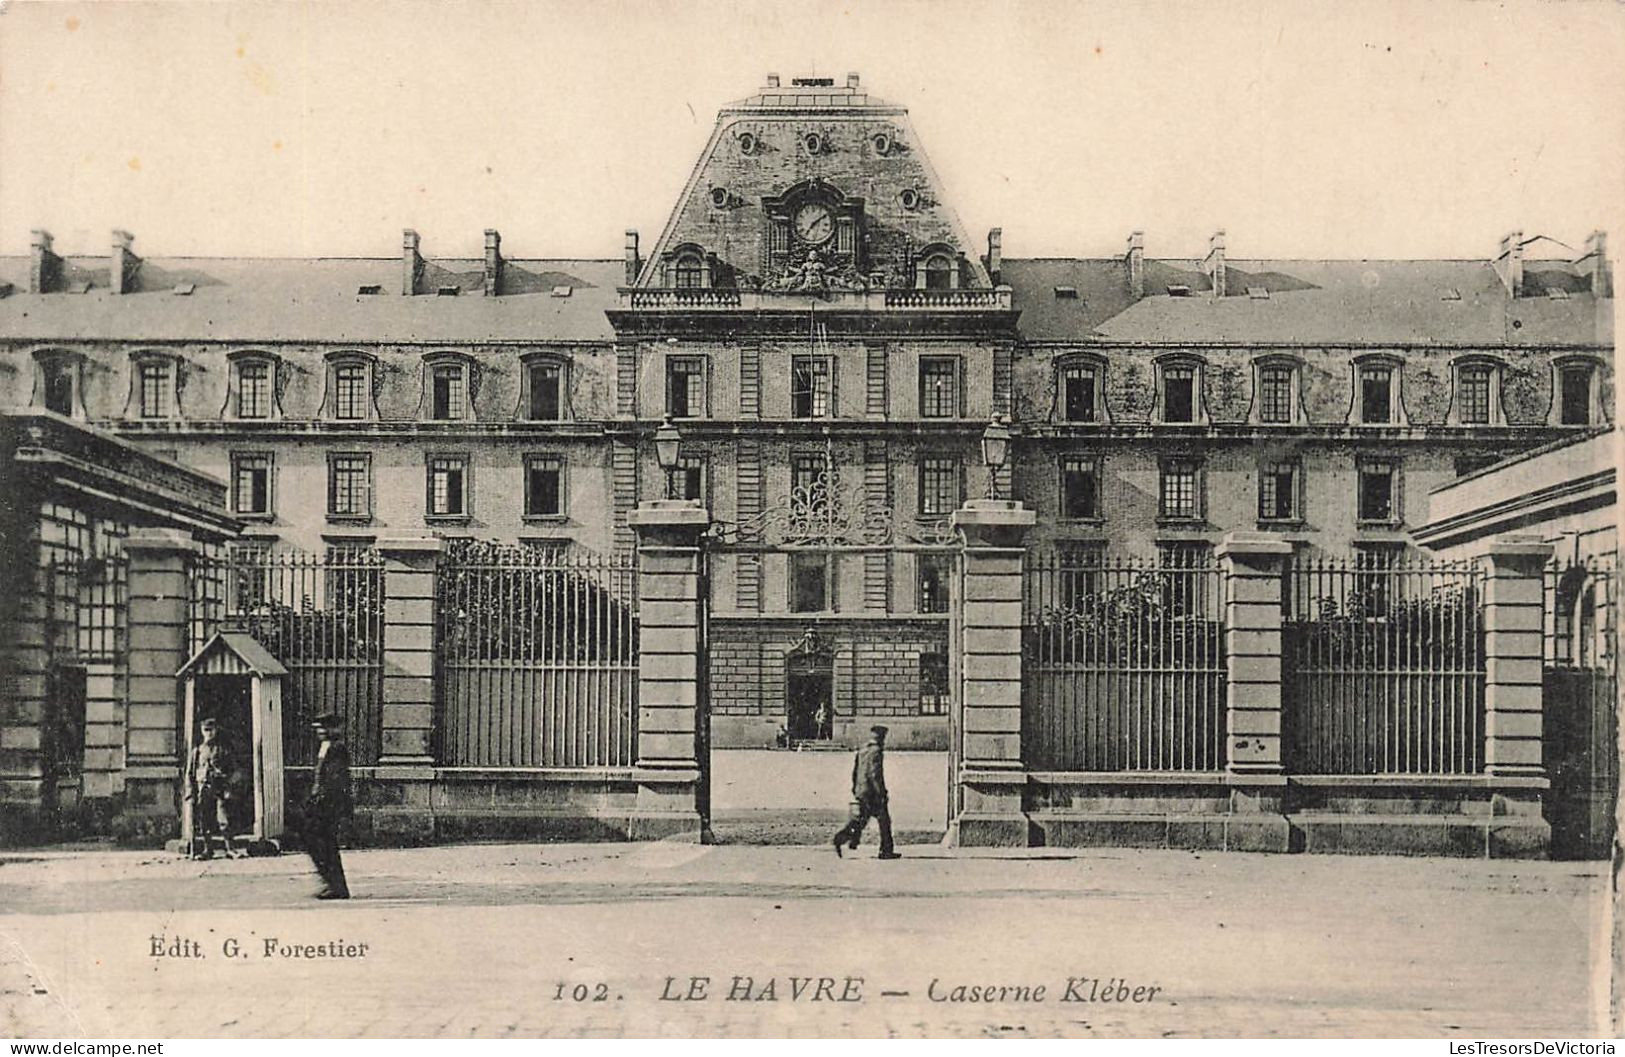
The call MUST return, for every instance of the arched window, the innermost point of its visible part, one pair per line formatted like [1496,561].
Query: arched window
[546,388]
[1378,391]
[155,386]
[690,272]
[1475,398]
[1179,390]
[252,384]
[939,272]
[1577,392]
[56,385]
[1080,389]
[448,387]
[349,387]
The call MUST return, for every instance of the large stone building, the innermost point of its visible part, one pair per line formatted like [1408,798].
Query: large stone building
[831,344]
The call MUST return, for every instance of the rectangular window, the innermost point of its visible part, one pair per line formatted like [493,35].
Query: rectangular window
[686,480]
[1376,498]
[253,390]
[809,581]
[1576,410]
[1078,394]
[1179,491]
[809,481]
[250,575]
[1275,394]
[1183,584]
[811,395]
[350,392]
[939,387]
[1080,572]
[1179,394]
[1376,395]
[58,387]
[546,384]
[685,387]
[251,484]
[448,394]
[544,486]
[1278,491]
[934,571]
[1473,395]
[934,696]
[349,486]
[1080,488]
[939,487]
[156,388]
[448,477]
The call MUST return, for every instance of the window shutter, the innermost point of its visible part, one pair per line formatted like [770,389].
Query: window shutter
[834,387]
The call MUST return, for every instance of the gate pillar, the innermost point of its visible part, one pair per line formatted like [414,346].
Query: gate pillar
[405,773]
[1514,694]
[1254,566]
[159,594]
[668,770]
[990,777]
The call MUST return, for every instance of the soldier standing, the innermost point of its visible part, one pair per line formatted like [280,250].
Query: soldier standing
[327,806]
[208,787]
[869,796]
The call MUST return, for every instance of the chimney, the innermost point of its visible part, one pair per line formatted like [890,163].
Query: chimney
[772,80]
[1509,263]
[633,263]
[1595,265]
[995,253]
[1136,264]
[46,269]
[411,263]
[1214,264]
[124,263]
[852,80]
[493,261]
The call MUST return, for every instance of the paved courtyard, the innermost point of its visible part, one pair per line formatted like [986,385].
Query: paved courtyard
[477,941]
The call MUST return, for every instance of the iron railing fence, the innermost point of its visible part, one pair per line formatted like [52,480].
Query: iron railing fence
[1382,667]
[322,617]
[1123,666]
[1580,721]
[538,657]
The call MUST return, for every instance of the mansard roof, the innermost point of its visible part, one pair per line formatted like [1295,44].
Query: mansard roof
[1286,302]
[316,300]
[1446,302]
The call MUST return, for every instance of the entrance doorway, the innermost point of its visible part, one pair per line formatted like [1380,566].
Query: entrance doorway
[64,743]
[809,696]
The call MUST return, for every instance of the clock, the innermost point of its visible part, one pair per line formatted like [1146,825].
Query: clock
[814,224]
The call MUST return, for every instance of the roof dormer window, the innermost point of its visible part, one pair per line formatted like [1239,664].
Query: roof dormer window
[349,388]
[56,384]
[689,272]
[253,387]
[155,386]
[448,387]
[1378,399]
[1476,399]
[1179,391]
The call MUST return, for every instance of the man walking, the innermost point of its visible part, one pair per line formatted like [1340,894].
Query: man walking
[869,796]
[327,806]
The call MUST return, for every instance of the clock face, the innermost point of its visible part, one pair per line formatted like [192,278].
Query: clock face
[814,224]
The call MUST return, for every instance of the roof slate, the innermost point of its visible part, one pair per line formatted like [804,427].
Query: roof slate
[315,300]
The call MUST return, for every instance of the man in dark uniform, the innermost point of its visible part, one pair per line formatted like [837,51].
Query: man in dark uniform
[869,796]
[327,806]
[208,787]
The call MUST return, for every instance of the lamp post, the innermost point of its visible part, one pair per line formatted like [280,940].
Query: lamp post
[668,450]
[995,450]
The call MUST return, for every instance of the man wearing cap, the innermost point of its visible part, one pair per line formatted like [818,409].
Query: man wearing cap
[208,787]
[327,806]
[869,796]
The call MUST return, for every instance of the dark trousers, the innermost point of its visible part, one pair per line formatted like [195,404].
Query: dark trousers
[322,842]
[866,809]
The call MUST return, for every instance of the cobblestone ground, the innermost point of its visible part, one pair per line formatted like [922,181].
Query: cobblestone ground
[475,941]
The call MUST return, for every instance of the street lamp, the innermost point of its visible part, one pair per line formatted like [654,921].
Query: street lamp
[995,450]
[668,449]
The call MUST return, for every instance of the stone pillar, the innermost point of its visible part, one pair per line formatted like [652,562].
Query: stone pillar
[405,770]
[671,793]
[160,599]
[991,775]
[1253,565]
[1513,613]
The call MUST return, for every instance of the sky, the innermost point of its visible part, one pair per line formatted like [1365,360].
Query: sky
[1361,129]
